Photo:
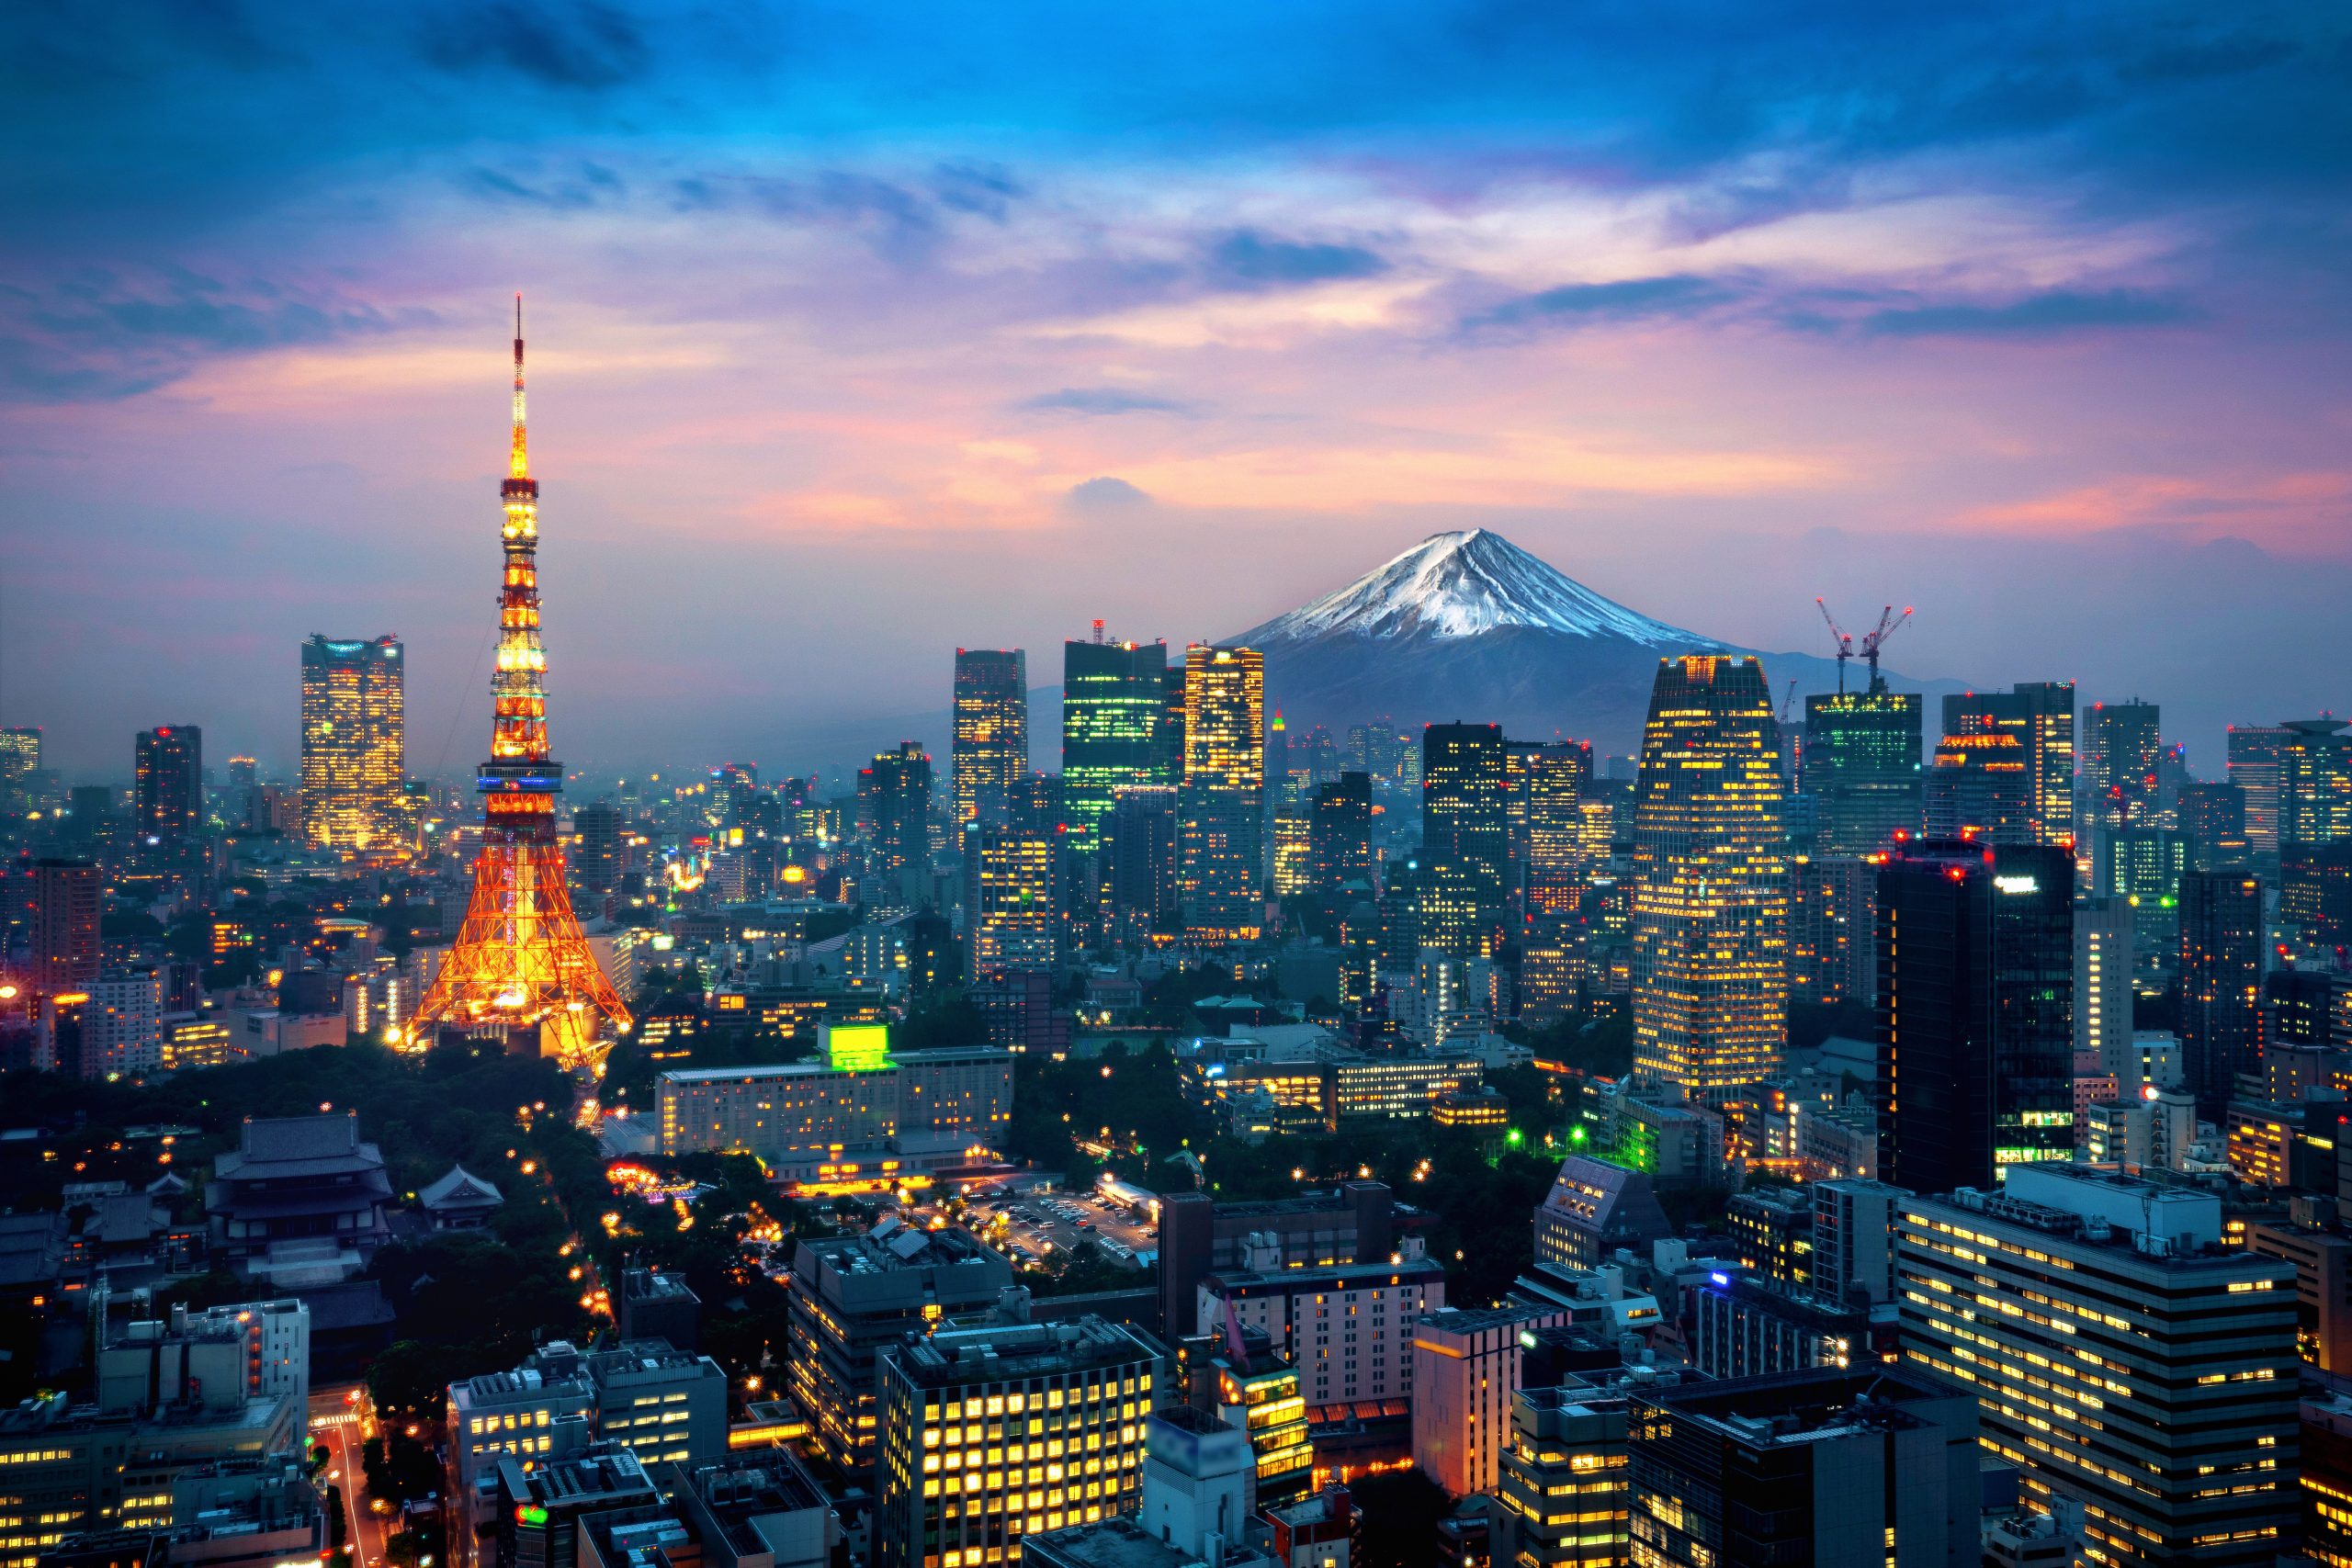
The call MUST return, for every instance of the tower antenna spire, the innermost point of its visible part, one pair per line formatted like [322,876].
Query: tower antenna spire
[518,465]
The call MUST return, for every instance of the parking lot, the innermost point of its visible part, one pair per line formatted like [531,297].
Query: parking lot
[1042,1224]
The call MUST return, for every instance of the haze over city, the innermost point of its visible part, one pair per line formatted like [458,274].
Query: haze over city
[845,353]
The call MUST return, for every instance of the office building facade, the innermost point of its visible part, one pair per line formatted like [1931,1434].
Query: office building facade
[1863,768]
[989,754]
[990,1433]
[1221,802]
[1709,937]
[2219,970]
[1975,957]
[1466,832]
[354,755]
[1114,708]
[2039,715]
[2123,1358]
[167,792]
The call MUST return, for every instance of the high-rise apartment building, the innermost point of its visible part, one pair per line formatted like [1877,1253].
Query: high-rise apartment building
[167,796]
[2123,1359]
[1114,708]
[1338,828]
[2103,961]
[1709,926]
[990,747]
[994,1431]
[2040,716]
[1008,916]
[66,897]
[1976,976]
[894,796]
[2122,742]
[122,1028]
[600,851]
[2252,764]
[2219,970]
[2314,782]
[20,760]
[1465,1369]
[1862,769]
[1466,828]
[353,742]
[1221,804]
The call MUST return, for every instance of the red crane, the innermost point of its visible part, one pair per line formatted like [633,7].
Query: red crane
[1889,623]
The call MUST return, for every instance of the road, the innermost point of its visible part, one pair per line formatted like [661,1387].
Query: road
[335,1421]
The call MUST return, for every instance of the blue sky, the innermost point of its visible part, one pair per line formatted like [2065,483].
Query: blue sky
[862,331]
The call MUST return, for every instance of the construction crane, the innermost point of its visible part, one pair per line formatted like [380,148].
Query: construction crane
[1889,623]
[1788,699]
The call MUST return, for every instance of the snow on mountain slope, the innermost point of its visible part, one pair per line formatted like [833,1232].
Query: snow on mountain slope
[1460,585]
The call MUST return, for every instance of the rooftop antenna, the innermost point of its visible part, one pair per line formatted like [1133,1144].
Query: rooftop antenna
[1098,631]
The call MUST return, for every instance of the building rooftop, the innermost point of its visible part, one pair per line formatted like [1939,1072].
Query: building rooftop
[1018,1350]
[1123,1543]
[1783,1408]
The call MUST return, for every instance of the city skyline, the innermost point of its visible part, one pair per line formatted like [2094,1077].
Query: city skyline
[2025,325]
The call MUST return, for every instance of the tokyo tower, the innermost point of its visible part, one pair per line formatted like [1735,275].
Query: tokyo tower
[520,964]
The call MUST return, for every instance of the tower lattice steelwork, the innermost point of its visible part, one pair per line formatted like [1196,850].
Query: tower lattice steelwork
[520,961]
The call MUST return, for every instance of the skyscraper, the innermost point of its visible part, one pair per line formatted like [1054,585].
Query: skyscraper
[1010,921]
[602,832]
[520,963]
[990,749]
[1339,832]
[1465,831]
[1862,767]
[2122,745]
[2211,817]
[894,796]
[66,897]
[2103,962]
[2314,782]
[1710,965]
[1551,850]
[1139,861]
[1976,977]
[1222,801]
[354,756]
[2254,768]
[2219,967]
[167,799]
[1114,698]
[2040,714]
[20,760]
[1831,923]
[1981,787]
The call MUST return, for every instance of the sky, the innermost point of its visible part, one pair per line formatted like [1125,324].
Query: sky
[861,332]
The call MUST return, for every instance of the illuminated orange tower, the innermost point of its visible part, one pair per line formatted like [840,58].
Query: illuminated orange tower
[520,961]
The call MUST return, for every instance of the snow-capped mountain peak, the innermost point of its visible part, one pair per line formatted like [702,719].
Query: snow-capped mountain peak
[1460,585]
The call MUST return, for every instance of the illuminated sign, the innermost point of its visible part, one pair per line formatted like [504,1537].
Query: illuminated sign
[2016,884]
[857,1047]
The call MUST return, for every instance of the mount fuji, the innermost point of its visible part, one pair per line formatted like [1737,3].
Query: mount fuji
[1469,626]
